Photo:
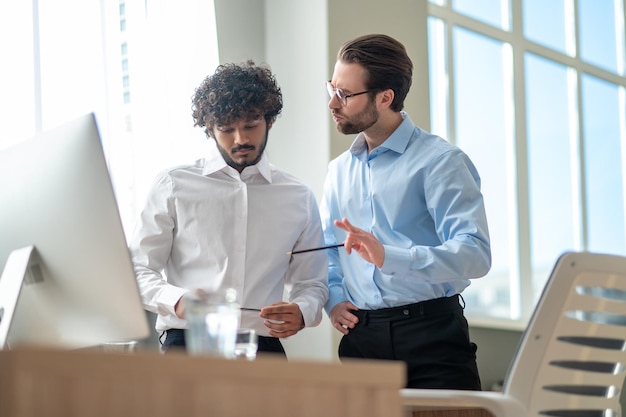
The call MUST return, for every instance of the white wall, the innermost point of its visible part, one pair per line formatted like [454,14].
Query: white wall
[295,36]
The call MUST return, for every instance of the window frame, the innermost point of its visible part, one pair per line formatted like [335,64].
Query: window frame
[523,295]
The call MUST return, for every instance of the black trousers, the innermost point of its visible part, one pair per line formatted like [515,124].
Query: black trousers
[175,339]
[431,337]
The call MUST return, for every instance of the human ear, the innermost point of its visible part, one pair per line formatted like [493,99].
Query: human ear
[386,97]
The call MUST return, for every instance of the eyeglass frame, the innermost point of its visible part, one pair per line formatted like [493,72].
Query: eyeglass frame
[335,92]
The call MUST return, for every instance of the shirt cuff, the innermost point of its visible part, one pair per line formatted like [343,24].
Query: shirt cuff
[334,297]
[170,296]
[397,260]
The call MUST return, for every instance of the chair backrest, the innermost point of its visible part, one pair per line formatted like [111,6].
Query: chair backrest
[570,360]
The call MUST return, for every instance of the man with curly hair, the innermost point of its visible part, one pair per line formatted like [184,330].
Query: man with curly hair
[228,220]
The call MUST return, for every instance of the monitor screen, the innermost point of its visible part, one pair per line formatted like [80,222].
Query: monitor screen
[79,289]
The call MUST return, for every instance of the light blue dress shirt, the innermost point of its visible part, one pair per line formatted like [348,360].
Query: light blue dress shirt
[420,196]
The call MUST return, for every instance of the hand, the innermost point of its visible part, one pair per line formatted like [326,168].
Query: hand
[283,319]
[179,308]
[363,242]
[342,318]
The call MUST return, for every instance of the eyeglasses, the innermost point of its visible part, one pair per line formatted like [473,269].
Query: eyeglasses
[341,96]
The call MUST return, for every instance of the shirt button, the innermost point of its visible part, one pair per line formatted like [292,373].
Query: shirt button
[405,312]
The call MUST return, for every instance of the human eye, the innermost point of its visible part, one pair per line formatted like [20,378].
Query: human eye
[252,124]
[225,129]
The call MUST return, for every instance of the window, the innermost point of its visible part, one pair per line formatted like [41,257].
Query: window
[534,92]
[135,64]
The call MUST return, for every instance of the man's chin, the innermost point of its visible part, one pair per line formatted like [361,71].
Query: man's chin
[346,130]
[242,162]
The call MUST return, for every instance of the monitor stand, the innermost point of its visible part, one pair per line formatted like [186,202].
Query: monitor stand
[13,276]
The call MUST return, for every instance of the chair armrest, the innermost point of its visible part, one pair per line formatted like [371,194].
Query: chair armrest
[498,404]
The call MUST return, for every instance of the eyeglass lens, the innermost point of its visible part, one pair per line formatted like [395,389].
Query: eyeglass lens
[343,97]
[332,91]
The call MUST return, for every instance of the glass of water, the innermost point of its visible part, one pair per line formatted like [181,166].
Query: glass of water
[212,322]
[246,344]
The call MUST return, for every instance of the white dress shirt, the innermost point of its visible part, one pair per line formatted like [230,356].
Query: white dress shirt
[206,225]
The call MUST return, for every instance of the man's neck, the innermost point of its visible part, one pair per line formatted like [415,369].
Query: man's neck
[381,130]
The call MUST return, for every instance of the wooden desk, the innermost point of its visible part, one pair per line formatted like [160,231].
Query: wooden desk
[453,412]
[53,383]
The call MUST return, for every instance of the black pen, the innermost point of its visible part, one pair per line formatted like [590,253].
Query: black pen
[338,245]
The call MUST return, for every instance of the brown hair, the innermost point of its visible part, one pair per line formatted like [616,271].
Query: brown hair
[386,62]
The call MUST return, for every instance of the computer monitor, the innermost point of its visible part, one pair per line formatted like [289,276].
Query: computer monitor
[58,213]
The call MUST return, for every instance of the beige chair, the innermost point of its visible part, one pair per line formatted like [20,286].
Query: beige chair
[570,360]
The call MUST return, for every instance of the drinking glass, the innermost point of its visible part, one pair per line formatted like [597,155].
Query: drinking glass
[246,344]
[212,322]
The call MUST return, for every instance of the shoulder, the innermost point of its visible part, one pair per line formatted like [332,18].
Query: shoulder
[280,177]
[341,160]
[183,170]
[435,148]
[171,177]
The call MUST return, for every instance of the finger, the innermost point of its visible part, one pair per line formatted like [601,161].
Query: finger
[280,307]
[281,329]
[275,324]
[347,223]
[286,333]
[347,245]
[348,317]
[279,317]
[349,226]
[350,322]
[340,225]
[341,328]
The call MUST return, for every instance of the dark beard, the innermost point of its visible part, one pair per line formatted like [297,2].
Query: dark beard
[236,165]
[361,121]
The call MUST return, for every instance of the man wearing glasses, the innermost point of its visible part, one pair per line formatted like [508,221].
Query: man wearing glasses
[422,230]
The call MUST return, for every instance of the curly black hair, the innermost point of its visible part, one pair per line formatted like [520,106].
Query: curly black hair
[236,91]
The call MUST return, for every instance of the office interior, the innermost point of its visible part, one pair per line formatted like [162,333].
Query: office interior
[299,39]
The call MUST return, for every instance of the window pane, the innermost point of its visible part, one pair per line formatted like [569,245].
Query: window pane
[482,95]
[598,41]
[542,14]
[17,98]
[72,67]
[603,166]
[493,12]
[551,179]
[438,77]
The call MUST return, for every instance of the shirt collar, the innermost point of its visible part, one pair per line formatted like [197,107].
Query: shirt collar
[214,162]
[397,141]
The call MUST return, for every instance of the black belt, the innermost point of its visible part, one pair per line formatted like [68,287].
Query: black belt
[181,333]
[421,309]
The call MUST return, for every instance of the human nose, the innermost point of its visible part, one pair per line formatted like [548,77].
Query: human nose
[241,137]
[334,102]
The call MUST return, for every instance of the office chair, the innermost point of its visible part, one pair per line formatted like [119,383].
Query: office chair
[570,360]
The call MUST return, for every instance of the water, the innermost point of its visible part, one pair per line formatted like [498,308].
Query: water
[245,351]
[211,326]
[246,344]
